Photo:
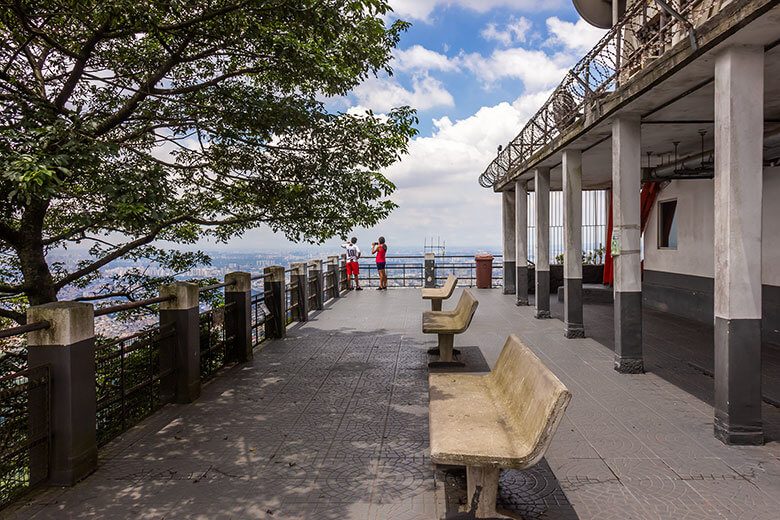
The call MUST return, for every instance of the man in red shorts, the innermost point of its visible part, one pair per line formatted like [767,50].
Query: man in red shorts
[353,254]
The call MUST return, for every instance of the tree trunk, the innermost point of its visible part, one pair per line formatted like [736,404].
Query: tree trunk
[38,282]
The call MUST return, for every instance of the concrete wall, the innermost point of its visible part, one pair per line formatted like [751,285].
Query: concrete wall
[681,280]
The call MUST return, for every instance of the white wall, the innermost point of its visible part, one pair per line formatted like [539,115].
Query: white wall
[695,228]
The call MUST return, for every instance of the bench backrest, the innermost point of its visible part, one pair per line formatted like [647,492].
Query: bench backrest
[534,396]
[464,311]
[449,285]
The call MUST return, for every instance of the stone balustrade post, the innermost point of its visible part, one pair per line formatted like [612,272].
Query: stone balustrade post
[180,351]
[300,275]
[238,319]
[275,300]
[317,275]
[67,346]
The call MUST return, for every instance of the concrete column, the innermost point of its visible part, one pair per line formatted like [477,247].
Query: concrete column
[238,319]
[343,277]
[180,352]
[273,286]
[626,186]
[430,270]
[315,272]
[739,105]
[572,238]
[68,347]
[521,242]
[300,275]
[333,265]
[508,218]
[542,183]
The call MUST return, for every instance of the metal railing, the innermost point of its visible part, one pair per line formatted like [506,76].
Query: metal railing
[257,317]
[412,274]
[214,343]
[644,34]
[128,374]
[25,431]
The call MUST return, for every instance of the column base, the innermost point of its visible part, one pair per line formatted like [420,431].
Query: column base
[509,286]
[521,303]
[574,331]
[737,436]
[629,365]
[543,295]
[543,315]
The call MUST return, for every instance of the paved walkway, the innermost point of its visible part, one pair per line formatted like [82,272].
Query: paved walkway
[331,423]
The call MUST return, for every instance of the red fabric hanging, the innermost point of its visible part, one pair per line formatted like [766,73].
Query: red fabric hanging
[608,268]
[647,199]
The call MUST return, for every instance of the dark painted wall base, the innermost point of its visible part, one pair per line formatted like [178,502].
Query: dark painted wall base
[693,297]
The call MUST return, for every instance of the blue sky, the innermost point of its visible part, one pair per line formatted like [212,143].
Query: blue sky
[475,71]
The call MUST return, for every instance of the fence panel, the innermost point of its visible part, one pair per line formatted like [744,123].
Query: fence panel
[213,342]
[25,432]
[127,375]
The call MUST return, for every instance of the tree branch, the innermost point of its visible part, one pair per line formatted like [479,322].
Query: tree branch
[18,317]
[78,67]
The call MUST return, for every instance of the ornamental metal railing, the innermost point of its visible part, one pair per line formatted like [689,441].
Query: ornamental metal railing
[647,31]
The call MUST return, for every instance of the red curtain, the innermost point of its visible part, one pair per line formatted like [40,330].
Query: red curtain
[608,268]
[647,199]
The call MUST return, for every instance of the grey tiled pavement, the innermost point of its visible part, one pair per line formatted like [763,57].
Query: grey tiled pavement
[331,423]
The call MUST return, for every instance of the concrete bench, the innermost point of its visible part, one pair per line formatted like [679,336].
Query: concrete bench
[448,323]
[505,419]
[438,294]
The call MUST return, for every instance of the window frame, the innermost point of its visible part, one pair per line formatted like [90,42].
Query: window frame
[661,222]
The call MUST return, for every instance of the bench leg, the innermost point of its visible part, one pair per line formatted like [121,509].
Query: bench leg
[436,304]
[445,352]
[485,481]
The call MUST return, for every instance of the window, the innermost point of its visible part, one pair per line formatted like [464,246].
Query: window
[667,224]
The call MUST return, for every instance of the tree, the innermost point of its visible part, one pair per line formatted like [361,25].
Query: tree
[128,122]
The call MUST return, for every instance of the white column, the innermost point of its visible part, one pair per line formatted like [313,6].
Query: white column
[521,232]
[572,238]
[508,216]
[739,130]
[626,186]
[542,270]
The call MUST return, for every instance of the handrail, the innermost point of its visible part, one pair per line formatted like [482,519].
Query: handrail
[258,276]
[132,305]
[22,329]
[215,286]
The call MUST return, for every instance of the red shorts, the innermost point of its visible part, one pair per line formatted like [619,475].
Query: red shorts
[352,268]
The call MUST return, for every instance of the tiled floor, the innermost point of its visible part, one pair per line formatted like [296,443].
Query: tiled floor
[331,423]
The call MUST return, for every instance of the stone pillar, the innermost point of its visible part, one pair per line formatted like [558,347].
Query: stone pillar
[572,238]
[238,319]
[430,270]
[181,351]
[300,275]
[316,273]
[542,185]
[333,265]
[68,347]
[521,241]
[626,186]
[508,218]
[273,287]
[739,105]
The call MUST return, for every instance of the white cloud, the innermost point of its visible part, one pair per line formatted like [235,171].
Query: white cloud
[382,94]
[419,58]
[422,9]
[577,37]
[534,68]
[513,31]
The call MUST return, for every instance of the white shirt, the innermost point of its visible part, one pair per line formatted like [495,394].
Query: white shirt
[353,251]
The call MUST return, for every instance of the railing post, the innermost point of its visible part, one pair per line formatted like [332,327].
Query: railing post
[333,265]
[317,274]
[275,300]
[68,347]
[430,270]
[344,278]
[301,276]
[238,319]
[180,352]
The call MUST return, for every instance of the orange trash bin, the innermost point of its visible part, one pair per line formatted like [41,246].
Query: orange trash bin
[484,271]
